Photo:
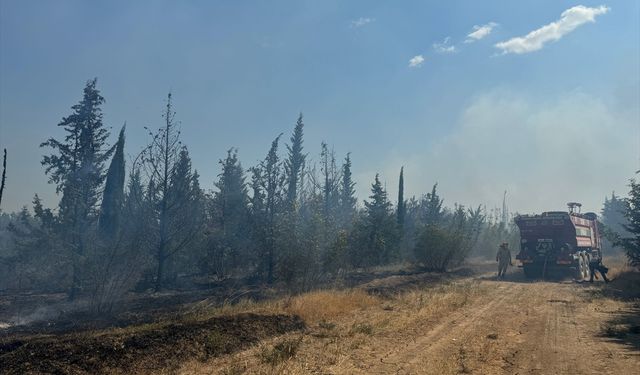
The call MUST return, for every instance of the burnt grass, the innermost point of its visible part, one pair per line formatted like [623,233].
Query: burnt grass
[150,349]
[151,333]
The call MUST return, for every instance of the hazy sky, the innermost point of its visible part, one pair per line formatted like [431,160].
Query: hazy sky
[539,98]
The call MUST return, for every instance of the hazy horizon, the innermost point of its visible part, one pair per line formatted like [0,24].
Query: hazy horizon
[535,99]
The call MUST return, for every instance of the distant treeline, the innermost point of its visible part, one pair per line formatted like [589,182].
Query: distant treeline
[289,219]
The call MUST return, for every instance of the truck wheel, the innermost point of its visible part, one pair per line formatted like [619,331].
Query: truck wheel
[583,269]
[580,273]
[587,270]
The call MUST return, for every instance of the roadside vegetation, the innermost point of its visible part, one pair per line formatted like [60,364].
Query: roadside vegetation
[148,225]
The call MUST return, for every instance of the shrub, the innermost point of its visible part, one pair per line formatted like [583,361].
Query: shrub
[437,248]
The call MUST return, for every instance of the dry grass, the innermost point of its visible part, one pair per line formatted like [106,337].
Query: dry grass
[617,265]
[281,351]
[344,328]
[327,305]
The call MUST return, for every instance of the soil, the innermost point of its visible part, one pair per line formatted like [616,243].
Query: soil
[512,326]
[520,327]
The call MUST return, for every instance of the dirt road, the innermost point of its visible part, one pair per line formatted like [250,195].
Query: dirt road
[501,327]
[519,328]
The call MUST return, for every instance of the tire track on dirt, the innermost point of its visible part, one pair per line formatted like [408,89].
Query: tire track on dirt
[446,333]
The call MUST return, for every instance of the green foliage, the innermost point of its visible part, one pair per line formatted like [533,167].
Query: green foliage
[613,222]
[375,234]
[35,260]
[294,164]
[173,194]
[77,169]
[267,185]
[437,247]
[228,233]
[432,212]
[402,205]
[296,221]
[347,194]
[113,196]
[631,242]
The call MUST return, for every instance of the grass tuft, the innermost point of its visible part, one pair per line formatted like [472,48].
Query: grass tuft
[281,351]
[327,305]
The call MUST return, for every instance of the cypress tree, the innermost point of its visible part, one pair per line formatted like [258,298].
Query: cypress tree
[402,208]
[113,196]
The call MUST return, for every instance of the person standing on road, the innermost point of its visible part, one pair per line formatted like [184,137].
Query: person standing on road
[504,259]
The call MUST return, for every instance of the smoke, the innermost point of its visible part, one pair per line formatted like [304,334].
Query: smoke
[570,147]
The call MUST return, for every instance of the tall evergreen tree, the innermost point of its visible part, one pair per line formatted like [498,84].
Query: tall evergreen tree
[613,214]
[347,192]
[432,213]
[330,183]
[267,184]
[379,224]
[230,212]
[402,205]
[4,174]
[77,169]
[113,196]
[294,165]
[631,242]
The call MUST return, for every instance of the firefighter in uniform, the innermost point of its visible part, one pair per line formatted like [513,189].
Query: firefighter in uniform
[504,259]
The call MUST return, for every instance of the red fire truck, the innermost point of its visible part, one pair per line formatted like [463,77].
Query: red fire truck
[559,241]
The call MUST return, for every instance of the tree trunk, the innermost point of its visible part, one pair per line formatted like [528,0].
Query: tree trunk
[160,271]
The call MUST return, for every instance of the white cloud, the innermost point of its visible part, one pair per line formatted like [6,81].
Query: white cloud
[444,46]
[569,21]
[544,152]
[416,61]
[362,21]
[479,32]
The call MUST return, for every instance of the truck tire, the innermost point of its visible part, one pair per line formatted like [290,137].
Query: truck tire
[580,269]
[587,270]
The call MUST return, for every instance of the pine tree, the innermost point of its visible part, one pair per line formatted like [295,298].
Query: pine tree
[402,205]
[432,213]
[77,169]
[330,183]
[380,224]
[230,212]
[631,242]
[613,214]
[113,196]
[347,193]
[294,165]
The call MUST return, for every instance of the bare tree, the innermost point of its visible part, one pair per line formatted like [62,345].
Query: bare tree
[172,190]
